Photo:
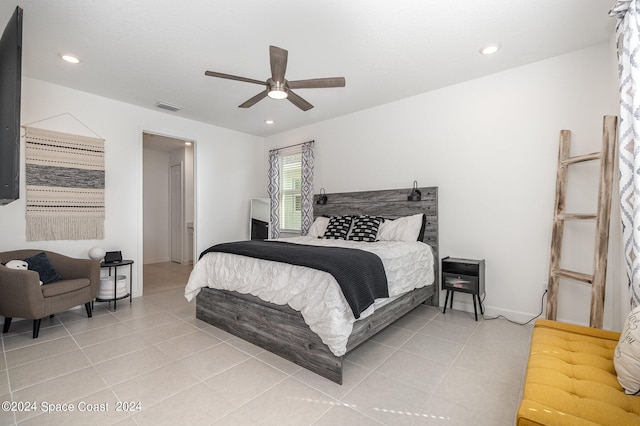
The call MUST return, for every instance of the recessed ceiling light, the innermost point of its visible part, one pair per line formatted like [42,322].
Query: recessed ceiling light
[269,121]
[187,143]
[490,49]
[70,58]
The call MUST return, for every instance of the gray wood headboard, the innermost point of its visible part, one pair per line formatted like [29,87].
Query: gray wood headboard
[390,203]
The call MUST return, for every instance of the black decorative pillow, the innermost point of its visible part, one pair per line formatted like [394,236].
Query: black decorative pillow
[365,228]
[40,263]
[422,228]
[338,228]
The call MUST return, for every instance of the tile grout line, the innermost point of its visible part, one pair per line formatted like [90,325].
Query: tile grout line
[92,366]
[6,366]
[373,370]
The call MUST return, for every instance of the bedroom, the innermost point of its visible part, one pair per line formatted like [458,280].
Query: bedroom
[497,134]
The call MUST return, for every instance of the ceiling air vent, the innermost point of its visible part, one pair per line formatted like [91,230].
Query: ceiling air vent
[168,106]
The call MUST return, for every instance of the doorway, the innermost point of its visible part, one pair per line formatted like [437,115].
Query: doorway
[168,212]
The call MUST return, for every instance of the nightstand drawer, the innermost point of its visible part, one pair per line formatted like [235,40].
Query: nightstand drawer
[460,282]
[463,275]
[460,266]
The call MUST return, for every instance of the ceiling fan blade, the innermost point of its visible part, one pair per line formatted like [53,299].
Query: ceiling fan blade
[278,59]
[315,83]
[260,96]
[234,77]
[299,102]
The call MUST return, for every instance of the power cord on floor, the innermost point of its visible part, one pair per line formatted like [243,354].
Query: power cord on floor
[515,322]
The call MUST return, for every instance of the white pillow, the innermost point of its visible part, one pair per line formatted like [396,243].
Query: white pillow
[627,355]
[403,229]
[318,227]
[17,264]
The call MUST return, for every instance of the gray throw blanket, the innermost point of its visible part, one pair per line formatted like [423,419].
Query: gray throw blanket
[359,273]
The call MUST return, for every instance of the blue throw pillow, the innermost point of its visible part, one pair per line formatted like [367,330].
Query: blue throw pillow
[40,263]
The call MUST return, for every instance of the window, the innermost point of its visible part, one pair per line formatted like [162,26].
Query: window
[291,192]
[290,188]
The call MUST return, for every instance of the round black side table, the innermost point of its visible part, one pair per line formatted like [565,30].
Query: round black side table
[115,266]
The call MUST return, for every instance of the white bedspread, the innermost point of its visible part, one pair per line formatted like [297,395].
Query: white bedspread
[315,294]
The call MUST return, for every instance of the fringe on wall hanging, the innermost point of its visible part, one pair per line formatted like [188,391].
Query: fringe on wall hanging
[65,186]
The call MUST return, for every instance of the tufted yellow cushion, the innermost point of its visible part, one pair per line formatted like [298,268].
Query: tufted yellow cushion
[571,380]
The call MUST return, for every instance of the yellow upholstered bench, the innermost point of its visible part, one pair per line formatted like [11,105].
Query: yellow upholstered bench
[571,380]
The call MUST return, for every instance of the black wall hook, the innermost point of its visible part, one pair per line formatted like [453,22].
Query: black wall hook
[415,194]
[322,198]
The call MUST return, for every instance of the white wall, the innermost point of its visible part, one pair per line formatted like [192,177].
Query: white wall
[155,195]
[229,168]
[620,293]
[491,146]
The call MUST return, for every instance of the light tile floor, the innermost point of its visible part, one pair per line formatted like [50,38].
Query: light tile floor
[164,367]
[163,276]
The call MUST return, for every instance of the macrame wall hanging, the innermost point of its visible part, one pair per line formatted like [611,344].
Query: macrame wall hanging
[65,186]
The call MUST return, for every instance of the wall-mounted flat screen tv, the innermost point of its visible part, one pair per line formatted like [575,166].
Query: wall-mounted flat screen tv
[10,87]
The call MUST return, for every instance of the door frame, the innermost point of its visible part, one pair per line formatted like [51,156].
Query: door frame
[138,289]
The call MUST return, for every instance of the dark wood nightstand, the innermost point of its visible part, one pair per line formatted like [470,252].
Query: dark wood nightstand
[466,276]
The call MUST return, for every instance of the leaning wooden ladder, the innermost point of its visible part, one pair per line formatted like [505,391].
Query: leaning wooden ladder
[602,217]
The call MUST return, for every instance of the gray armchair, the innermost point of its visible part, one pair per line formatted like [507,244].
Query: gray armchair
[22,295]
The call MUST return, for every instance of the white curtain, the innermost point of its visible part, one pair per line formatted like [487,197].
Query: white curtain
[273,190]
[628,44]
[307,187]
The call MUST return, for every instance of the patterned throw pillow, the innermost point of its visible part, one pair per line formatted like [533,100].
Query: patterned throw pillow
[626,358]
[338,228]
[365,228]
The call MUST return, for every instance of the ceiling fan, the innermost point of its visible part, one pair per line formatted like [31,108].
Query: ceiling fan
[277,86]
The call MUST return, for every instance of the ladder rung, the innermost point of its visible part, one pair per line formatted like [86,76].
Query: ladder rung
[577,216]
[581,158]
[578,276]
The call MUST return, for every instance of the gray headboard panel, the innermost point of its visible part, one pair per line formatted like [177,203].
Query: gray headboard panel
[390,203]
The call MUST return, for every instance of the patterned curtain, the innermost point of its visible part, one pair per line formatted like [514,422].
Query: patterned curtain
[307,187]
[274,191]
[628,43]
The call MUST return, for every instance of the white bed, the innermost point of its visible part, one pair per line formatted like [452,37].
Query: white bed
[315,294]
[300,313]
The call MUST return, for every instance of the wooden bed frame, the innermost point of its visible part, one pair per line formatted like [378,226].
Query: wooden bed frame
[282,330]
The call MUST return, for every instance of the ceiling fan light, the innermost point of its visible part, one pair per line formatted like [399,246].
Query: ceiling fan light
[277,94]
[277,90]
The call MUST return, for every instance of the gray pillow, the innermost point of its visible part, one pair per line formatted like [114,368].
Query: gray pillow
[40,263]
